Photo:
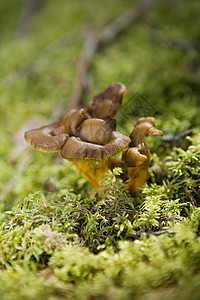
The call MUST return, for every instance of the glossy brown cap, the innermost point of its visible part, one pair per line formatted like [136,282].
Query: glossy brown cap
[88,131]
[96,131]
[51,138]
[72,120]
[142,129]
[47,138]
[107,103]
[136,156]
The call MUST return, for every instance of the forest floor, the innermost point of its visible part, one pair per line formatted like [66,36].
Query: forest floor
[59,238]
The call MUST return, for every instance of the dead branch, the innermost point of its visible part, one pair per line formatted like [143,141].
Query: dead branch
[25,162]
[94,43]
[29,11]
[184,45]
[21,152]
[123,22]
[139,234]
[63,41]
[174,139]
[82,82]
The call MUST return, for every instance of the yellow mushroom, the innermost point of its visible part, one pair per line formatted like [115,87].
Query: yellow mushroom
[137,157]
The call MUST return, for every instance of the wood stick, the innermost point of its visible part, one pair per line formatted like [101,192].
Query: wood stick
[63,41]
[29,11]
[94,44]
[147,234]
[184,45]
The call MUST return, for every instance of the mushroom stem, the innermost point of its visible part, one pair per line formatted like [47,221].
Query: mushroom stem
[92,170]
[137,160]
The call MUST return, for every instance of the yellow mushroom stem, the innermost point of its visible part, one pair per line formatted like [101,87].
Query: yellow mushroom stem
[137,159]
[92,170]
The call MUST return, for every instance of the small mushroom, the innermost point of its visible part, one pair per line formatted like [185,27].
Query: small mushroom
[72,120]
[137,157]
[88,138]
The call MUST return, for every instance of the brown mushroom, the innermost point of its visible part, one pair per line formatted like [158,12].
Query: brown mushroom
[137,157]
[87,136]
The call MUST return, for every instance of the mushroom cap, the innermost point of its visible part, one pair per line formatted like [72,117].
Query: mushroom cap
[149,120]
[72,120]
[96,131]
[76,149]
[52,137]
[47,138]
[136,156]
[92,124]
[107,103]
[143,128]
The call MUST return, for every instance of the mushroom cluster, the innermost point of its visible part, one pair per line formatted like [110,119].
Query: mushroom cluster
[88,138]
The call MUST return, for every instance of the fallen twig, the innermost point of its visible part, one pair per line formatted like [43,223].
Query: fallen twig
[156,233]
[63,41]
[29,10]
[82,83]
[172,139]
[122,22]
[94,43]
[20,150]
[182,44]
